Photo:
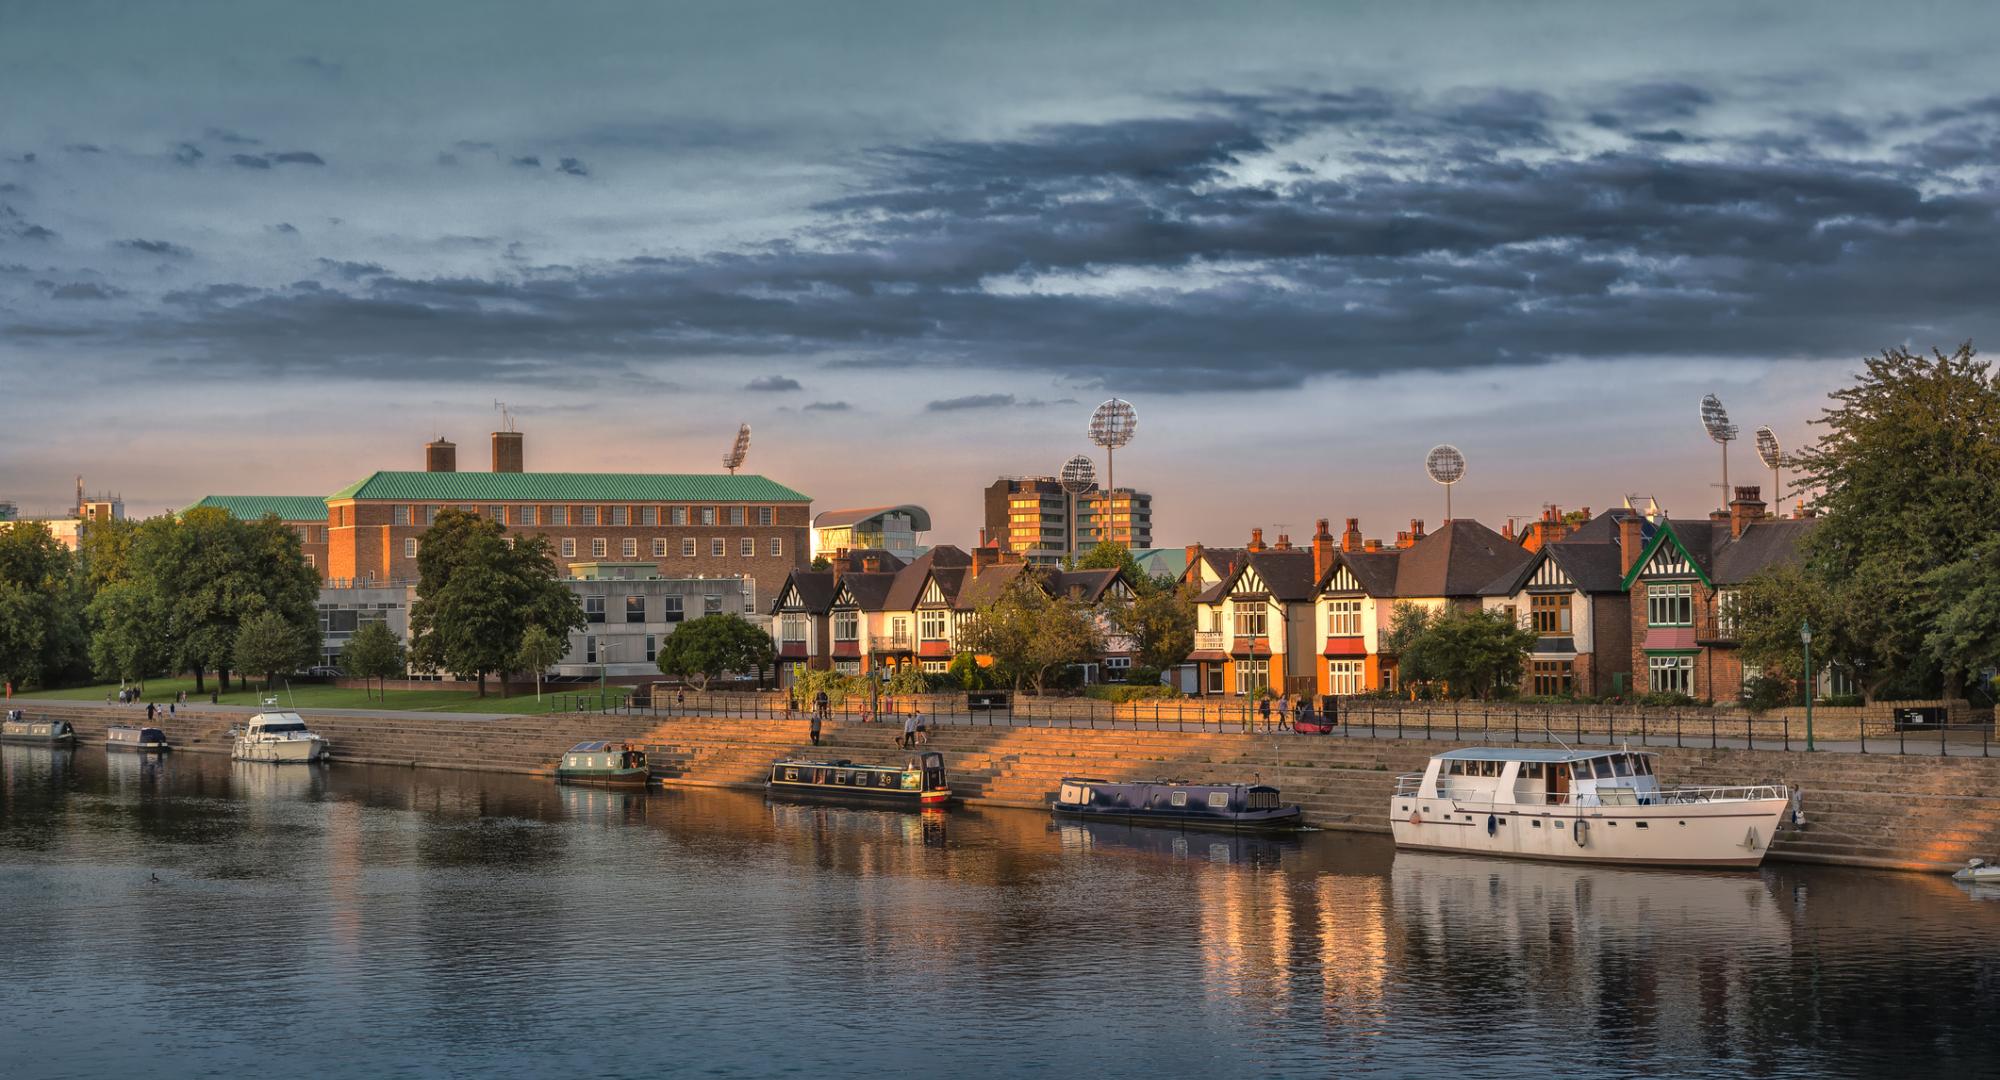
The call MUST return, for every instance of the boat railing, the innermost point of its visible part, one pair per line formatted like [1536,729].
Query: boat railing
[1742,793]
[1409,783]
[1482,802]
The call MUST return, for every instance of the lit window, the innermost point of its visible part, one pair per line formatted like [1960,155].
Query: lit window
[635,609]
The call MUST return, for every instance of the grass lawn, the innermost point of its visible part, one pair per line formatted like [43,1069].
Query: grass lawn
[321,696]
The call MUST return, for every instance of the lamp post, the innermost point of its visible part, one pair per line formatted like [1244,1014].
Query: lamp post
[603,652]
[1805,638]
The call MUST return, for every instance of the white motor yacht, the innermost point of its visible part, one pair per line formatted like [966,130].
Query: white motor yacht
[1581,805]
[279,737]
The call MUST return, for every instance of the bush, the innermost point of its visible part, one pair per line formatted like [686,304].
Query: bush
[1666,698]
[1766,692]
[1117,692]
[1140,675]
[1841,700]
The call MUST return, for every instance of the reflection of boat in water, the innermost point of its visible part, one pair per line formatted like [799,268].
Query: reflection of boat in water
[1234,848]
[23,731]
[141,740]
[1176,803]
[919,781]
[279,738]
[602,763]
[1602,806]
[273,781]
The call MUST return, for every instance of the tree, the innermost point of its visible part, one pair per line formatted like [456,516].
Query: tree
[268,644]
[1160,624]
[42,640]
[1768,611]
[821,564]
[1469,653]
[374,653]
[1967,633]
[538,652]
[1030,634]
[477,595]
[211,573]
[130,639]
[713,645]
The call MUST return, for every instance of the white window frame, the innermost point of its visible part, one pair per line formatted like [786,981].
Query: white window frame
[599,547]
[1671,674]
[777,547]
[718,548]
[688,547]
[1344,677]
[1343,618]
[568,547]
[659,547]
[409,547]
[1670,603]
[628,548]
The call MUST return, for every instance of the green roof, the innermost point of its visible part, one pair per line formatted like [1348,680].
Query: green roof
[475,487]
[253,507]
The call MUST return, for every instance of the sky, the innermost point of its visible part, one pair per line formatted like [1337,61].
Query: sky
[269,247]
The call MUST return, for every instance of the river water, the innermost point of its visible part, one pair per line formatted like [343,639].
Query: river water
[201,917]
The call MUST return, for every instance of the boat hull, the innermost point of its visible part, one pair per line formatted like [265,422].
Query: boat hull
[605,778]
[1279,820]
[65,739]
[285,752]
[914,798]
[1720,834]
[137,748]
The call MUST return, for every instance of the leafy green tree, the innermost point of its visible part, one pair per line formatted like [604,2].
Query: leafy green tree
[477,595]
[1966,636]
[1160,624]
[1466,653]
[967,673]
[374,653]
[268,644]
[821,564]
[538,652]
[130,639]
[211,573]
[42,598]
[1031,635]
[715,645]
[104,552]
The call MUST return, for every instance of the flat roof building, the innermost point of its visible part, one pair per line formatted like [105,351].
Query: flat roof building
[895,529]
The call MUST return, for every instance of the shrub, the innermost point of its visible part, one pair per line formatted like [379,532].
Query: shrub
[1766,692]
[1665,698]
[1841,700]
[1124,692]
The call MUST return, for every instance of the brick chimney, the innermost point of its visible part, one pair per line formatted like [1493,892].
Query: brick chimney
[440,455]
[1416,529]
[1322,549]
[508,453]
[1550,528]
[1371,545]
[984,556]
[1745,508]
[1194,557]
[1507,530]
[1350,537]
[871,564]
[1404,539]
[1256,540]
[1630,542]
[1284,542]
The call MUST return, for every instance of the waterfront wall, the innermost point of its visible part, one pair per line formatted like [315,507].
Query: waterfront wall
[1919,813]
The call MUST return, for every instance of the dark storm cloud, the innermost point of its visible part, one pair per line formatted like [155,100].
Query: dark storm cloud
[187,153]
[222,135]
[84,148]
[1261,241]
[36,233]
[573,167]
[829,406]
[155,247]
[971,401]
[773,383]
[251,161]
[285,227]
[298,157]
[529,161]
[85,290]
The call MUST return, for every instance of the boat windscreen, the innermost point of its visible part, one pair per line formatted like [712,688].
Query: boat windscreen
[282,727]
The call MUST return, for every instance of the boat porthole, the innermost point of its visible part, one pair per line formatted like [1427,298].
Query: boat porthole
[1644,825]
[1683,824]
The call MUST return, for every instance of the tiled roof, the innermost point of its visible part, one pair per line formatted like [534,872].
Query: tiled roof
[909,586]
[472,487]
[252,507]
[1764,544]
[815,588]
[869,589]
[989,584]
[1459,559]
[1288,574]
[1091,584]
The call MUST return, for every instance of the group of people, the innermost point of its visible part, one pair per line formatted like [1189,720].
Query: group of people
[1298,712]
[916,729]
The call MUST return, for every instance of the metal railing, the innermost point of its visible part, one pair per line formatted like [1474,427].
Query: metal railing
[1208,640]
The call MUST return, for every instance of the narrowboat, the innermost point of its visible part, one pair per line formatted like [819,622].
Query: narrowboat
[19,729]
[919,781]
[1600,806]
[604,763]
[278,737]
[1176,802]
[142,740]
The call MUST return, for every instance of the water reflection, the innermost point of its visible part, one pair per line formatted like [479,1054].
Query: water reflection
[413,918]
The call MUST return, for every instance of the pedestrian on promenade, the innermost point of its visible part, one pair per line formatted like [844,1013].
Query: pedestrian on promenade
[815,728]
[170,709]
[923,727]
[823,705]
[149,712]
[1284,710]
[910,730]
[1264,710]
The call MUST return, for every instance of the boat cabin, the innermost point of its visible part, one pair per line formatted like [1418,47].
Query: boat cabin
[920,779]
[17,728]
[284,724]
[603,754]
[1542,777]
[135,738]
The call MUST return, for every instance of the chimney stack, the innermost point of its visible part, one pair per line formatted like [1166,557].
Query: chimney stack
[1284,542]
[984,555]
[871,564]
[1416,529]
[1745,508]
[1403,538]
[507,453]
[1507,530]
[440,455]
[1350,537]
[1371,545]
[1194,559]
[1630,542]
[1256,540]
[1322,550]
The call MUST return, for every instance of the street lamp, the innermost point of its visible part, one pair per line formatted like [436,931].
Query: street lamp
[1805,638]
[603,650]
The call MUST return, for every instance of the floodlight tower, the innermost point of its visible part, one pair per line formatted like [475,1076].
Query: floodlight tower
[1079,475]
[1111,427]
[738,452]
[1774,459]
[1446,466]
[1716,419]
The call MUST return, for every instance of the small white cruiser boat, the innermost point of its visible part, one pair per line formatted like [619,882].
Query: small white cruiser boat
[279,737]
[1978,872]
[1602,806]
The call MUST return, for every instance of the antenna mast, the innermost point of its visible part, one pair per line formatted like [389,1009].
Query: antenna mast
[506,415]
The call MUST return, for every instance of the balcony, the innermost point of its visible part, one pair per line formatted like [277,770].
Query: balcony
[1713,629]
[902,642]
[1208,641]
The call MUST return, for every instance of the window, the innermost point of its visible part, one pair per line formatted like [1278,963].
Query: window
[558,515]
[410,548]
[899,630]
[400,515]
[718,547]
[1552,678]
[569,547]
[1343,677]
[598,547]
[1252,676]
[496,513]
[589,650]
[708,515]
[747,547]
[678,515]
[1670,604]
[1218,800]
[1343,618]
[649,515]
[659,547]
[621,515]
[1215,678]
[1550,612]
[524,515]
[1178,798]
[711,605]
[931,624]
[586,515]
[652,648]
[766,516]
[1250,621]
[629,547]
[687,548]
[846,626]
[792,628]
[635,609]
[777,547]
[430,515]
[736,515]
[670,609]
[1116,668]
[847,667]
[1671,674]
[593,609]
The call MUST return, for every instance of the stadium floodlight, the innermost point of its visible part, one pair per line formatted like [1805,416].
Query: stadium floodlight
[738,452]
[1111,427]
[1446,465]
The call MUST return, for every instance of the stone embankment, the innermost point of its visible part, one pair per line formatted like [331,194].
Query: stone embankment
[1917,813]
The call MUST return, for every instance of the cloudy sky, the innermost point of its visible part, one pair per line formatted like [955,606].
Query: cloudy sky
[269,247]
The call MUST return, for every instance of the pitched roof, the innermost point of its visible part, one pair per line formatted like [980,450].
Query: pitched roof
[816,589]
[1090,584]
[988,584]
[253,507]
[1287,574]
[869,590]
[474,487]
[886,561]
[909,581]
[1374,570]
[1764,544]
[1459,559]
[1591,565]
[920,518]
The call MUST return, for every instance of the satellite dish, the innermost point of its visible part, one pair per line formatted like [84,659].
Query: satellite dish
[1079,474]
[1111,427]
[1446,466]
[738,452]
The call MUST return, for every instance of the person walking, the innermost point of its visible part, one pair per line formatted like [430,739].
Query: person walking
[1284,713]
[910,730]
[170,709]
[923,727]
[823,705]
[1264,710]
[149,712]
[815,727]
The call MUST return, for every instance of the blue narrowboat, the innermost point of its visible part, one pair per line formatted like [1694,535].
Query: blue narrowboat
[141,740]
[1175,802]
[19,729]
[604,763]
[919,781]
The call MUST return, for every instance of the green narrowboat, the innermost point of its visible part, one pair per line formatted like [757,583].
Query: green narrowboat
[603,763]
[19,729]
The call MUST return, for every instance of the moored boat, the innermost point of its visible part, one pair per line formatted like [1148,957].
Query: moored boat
[919,781]
[17,728]
[143,740]
[1176,803]
[278,737]
[604,763]
[1603,806]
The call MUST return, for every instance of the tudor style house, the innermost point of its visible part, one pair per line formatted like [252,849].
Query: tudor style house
[1572,594]
[1681,579]
[1254,620]
[1355,596]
